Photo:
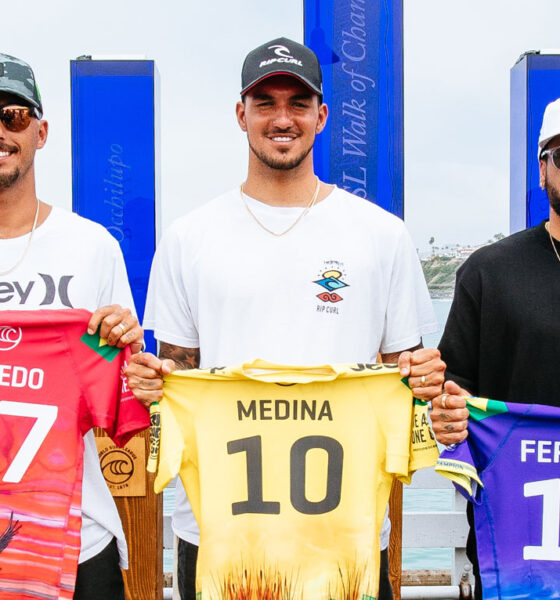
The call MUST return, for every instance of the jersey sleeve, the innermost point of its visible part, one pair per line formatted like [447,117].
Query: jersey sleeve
[457,464]
[108,402]
[168,312]
[409,442]
[171,448]
[489,422]
[423,450]
[409,314]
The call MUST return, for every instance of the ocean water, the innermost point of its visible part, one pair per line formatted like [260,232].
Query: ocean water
[414,500]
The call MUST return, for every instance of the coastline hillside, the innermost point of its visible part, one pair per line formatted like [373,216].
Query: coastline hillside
[439,272]
[441,266]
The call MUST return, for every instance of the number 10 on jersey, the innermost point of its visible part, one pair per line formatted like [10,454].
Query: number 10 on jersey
[256,503]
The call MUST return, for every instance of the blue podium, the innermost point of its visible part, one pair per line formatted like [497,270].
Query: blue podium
[535,81]
[115,156]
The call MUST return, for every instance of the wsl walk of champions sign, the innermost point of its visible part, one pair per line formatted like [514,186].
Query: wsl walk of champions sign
[288,471]
[359,46]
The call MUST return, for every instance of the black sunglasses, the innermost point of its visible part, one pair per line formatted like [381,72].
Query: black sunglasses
[554,153]
[16,118]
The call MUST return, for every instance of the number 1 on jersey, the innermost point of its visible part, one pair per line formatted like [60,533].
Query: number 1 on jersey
[549,489]
[46,416]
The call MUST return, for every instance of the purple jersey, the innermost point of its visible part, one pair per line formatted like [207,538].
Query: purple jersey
[509,467]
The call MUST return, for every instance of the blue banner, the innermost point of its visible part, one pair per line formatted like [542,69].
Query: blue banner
[535,81]
[114,106]
[359,45]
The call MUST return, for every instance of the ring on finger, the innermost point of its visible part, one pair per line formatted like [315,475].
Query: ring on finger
[123,327]
[423,381]
[443,399]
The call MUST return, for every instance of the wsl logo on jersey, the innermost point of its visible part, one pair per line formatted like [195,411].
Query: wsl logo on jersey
[10,337]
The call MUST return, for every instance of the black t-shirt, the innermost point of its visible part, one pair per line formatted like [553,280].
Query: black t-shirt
[502,337]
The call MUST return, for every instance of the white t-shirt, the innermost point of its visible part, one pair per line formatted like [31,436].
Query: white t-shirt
[344,284]
[72,263]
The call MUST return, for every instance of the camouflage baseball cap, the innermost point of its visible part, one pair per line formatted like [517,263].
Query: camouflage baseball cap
[16,77]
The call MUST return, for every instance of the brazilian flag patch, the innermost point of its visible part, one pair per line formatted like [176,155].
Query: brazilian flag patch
[100,345]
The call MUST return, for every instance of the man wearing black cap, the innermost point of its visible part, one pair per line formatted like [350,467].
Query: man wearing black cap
[285,267]
[51,259]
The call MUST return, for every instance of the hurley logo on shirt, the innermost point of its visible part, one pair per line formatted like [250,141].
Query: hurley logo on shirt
[49,289]
[99,345]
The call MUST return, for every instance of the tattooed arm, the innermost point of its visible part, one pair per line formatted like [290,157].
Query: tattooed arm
[184,358]
[145,371]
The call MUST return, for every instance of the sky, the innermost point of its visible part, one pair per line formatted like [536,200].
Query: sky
[457,59]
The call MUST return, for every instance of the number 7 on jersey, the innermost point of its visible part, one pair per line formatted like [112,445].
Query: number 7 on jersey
[46,416]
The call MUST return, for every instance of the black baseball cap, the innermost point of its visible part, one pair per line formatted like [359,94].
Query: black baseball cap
[282,57]
[17,78]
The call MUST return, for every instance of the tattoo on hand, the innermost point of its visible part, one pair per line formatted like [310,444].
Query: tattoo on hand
[449,428]
[184,358]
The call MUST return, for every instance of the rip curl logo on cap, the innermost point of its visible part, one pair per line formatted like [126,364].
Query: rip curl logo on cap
[10,337]
[281,51]
[284,56]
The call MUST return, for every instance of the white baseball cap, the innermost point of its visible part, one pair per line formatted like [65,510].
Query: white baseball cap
[550,125]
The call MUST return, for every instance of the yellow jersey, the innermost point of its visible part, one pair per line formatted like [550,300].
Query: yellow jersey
[288,471]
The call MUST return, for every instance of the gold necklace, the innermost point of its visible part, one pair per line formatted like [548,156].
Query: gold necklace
[19,261]
[299,218]
[547,227]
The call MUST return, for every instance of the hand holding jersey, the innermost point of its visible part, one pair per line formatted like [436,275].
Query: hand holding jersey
[450,414]
[118,326]
[145,374]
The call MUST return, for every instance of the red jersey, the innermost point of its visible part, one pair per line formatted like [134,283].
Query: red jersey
[56,383]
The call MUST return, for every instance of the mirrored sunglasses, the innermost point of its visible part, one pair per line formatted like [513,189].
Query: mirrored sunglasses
[16,118]
[554,154]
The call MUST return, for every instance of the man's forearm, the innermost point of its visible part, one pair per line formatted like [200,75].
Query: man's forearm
[184,358]
[393,357]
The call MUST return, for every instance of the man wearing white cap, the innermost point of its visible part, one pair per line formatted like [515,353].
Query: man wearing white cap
[284,267]
[502,336]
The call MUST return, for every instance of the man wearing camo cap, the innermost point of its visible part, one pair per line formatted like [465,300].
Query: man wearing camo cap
[40,243]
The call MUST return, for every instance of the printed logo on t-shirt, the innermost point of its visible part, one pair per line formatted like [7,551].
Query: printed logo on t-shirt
[49,291]
[331,279]
[10,337]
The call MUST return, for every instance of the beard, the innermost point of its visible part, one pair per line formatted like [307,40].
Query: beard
[281,164]
[553,196]
[8,179]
